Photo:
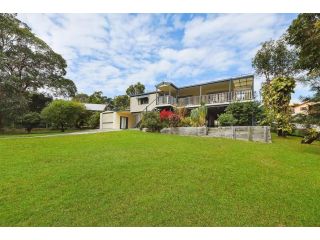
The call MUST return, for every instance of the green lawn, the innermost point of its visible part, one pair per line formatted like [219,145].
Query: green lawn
[131,178]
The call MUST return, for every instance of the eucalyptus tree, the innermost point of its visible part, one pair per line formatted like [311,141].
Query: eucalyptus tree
[27,64]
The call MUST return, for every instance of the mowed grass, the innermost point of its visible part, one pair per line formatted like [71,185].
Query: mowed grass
[131,178]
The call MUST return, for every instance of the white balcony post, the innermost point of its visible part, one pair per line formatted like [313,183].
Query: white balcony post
[229,97]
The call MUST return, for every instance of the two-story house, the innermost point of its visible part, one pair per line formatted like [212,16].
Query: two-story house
[216,95]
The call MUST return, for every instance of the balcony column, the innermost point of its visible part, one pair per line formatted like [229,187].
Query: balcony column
[230,98]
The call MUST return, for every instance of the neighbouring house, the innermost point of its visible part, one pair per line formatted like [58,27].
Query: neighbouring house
[216,95]
[95,107]
[302,108]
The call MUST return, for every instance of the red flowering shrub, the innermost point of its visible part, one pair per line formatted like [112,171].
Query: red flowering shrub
[165,114]
[174,120]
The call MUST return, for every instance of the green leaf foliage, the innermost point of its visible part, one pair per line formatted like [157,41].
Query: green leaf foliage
[27,64]
[276,98]
[226,119]
[245,113]
[151,120]
[304,34]
[134,89]
[30,121]
[63,114]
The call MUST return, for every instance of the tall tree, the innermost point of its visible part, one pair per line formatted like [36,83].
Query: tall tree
[134,89]
[98,98]
[81,97]
[277,96]
[38,101]
[121,102]
[304,34]
[276,61]
[27,64]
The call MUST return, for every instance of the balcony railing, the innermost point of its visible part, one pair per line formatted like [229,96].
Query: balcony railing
[166,100]
[215,98]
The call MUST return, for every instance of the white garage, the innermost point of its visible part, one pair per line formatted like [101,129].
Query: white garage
[106,120]
[117,120]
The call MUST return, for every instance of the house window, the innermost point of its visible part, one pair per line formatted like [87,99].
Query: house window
[144,100]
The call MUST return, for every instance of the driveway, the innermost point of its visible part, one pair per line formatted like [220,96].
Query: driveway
[66,134]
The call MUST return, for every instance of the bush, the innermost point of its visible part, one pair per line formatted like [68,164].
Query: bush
[245,113]
[62,114]
[181,112]
[311,135]
[174,120]
[151,120]
[198,116]
[185,122]
[94,120]
[226,119]
[31,120]
[165,114]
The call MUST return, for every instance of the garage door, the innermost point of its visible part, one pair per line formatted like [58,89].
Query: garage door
[107,120]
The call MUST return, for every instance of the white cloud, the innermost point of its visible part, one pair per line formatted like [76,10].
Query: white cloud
[110,51]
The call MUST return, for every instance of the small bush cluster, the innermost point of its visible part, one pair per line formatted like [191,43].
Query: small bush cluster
[226,119]
[151,120]
[198,116]
[155,121]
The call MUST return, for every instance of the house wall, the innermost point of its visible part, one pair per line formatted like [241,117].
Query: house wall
[302,108]
[117,115]
[135,107]
[111,120]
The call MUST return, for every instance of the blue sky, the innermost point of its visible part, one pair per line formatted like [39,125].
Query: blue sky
[108,52]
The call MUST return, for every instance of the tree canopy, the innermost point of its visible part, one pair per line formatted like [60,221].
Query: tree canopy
[27,64]
[275,59]
[121,102]
[304,34]
[62,114]
[135,89]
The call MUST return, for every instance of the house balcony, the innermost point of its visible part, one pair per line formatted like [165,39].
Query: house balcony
[166,101]
[210,99]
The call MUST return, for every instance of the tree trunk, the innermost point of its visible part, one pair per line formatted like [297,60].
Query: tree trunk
[28,130]
[62,128]
[1,126]
[310,140]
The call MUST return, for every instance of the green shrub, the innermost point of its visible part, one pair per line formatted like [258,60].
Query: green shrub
[31,120]
[151,120]
[245,113]
[198,116]
[174,120]
[185,122]
[94,120]
[226,119]
[311,135]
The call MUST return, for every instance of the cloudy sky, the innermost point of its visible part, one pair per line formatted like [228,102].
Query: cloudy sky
[108,52]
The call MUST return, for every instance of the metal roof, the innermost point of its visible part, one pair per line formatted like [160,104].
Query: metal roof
[95,107]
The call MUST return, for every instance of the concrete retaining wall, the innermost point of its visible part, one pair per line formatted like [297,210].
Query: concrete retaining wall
[247,133]
[186,131]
